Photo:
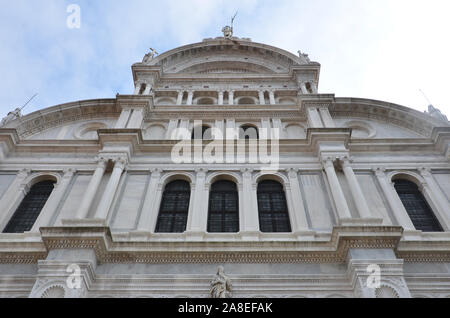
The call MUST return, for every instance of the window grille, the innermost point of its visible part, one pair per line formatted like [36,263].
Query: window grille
[223,215]
[30,208]
[173,212]
[417,207]
[272,208]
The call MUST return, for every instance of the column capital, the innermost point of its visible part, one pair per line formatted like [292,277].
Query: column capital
[120,162]
[68,173]
[201,171]
[24,173]
[328,162]
[247,171]
[425,171]
[379,171]
[155,170]
[292,172]
[101,161]
[345,161]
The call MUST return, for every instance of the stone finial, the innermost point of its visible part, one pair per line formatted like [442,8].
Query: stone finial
[221,285]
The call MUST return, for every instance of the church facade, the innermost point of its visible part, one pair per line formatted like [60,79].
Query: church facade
[226,156]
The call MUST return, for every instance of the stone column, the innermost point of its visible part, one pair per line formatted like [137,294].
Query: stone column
[220,101]
[231,97]
[276,126]
[262,100]
[148,89]
[250,221]
[137,88]
[136,118]
[190,97]
[432,189]
[272,97]
[12,197]
[199,217]
[265,132]
[123,119]
[314,118]
[91,190]
[326,117]
[355,189]
[180,97]
[173,124]
[297,209]
[393,200]
[336,190]
[220,126]
[314,87]
[111,188]
[54,200]
[230,129]
[149,214]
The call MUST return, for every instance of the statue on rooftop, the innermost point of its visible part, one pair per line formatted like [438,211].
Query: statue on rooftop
[150,56]
[11,116]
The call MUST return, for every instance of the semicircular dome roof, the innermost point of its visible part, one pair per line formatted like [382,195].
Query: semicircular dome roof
[222,55]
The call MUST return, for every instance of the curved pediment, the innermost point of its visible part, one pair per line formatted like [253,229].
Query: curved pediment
[227,56]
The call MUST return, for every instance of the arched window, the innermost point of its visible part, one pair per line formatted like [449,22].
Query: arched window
[417,207]
[202,132]
[246,101]
[205,101]
[223,215]
[30,208]
[173,212]
[272,208]
[248,132]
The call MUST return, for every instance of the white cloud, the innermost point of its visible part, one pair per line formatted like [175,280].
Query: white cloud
[381,49]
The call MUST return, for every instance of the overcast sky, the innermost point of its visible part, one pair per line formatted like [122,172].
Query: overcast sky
[379,49]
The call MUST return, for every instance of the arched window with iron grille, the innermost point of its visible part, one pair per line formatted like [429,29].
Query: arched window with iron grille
[201,133]
[223,214]
[30,208]
[417,207]
[272,208]
[248,132]
[173,212]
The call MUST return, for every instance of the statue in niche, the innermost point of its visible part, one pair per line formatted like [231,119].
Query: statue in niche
[221,285]
[150,56]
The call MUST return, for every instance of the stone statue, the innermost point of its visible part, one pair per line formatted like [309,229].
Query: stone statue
[149,56]
[221,285]
[11,116]
[227,32]
[304,57]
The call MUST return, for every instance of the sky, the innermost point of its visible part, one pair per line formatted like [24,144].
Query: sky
[378,49]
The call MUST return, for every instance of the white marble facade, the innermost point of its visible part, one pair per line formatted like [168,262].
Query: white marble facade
[111,160]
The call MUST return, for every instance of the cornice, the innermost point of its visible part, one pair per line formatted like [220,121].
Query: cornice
[154,251]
